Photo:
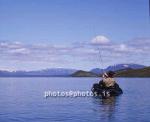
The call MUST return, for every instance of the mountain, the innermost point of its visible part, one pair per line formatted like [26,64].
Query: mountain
[128,72]
[53,72]
[97,70]
[39,73]
[117,67]
[82,73]
[123,70]
[124,66]
[144,72]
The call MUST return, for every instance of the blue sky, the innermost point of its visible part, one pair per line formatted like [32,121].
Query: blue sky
[37,34]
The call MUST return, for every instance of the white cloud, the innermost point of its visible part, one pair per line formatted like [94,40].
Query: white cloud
[122,48]
[100,40]
[20,51]
[81,53]
[141,44]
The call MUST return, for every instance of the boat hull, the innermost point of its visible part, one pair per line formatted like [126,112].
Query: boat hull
[105,92]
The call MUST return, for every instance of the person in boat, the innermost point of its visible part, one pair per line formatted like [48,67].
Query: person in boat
[107,86]
[108,80]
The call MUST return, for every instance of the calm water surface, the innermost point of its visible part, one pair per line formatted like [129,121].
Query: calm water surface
[22,100]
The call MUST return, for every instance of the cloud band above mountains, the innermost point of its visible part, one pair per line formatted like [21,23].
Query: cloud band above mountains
[78,54]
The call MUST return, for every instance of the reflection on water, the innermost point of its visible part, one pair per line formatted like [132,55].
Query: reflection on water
[106,107]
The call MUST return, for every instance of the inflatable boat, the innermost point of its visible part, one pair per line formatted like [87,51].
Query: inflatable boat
[99,89]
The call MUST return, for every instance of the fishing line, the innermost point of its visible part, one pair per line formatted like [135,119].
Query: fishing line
[101,59]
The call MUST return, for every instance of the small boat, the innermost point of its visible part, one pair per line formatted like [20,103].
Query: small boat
[99,89]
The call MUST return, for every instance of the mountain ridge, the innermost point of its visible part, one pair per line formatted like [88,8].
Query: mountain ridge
[117,67]
[143,72]
[67,72]
[39,73]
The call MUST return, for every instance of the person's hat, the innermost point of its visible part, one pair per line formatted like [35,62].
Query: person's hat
[110,73]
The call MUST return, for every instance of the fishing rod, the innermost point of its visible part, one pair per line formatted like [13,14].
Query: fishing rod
[101,59]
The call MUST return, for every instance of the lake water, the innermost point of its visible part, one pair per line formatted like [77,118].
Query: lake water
[22,100]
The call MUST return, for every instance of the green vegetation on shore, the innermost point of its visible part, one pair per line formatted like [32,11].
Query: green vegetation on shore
[82,73]
[144,72]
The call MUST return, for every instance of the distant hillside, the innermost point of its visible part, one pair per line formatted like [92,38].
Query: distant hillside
[39,73]
[117,67]
[81,73]
[97,70]
[53,72]
[124,66]
[144,72]
[122,70]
